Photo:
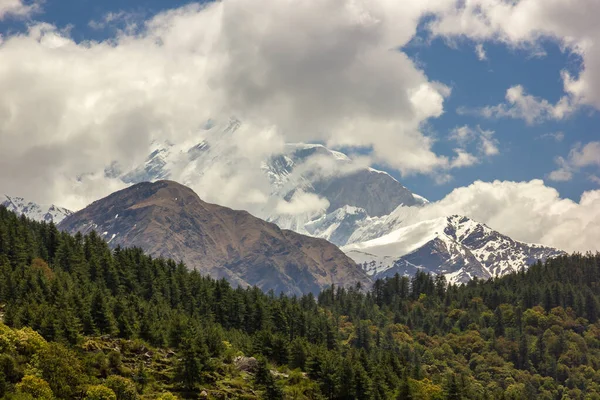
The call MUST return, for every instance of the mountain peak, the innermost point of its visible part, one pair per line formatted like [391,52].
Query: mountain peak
[170,220]
[456,246]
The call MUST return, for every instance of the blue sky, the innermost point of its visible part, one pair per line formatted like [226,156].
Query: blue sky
[526,151]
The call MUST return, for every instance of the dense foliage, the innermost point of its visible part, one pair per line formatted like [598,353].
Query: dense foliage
[89,322]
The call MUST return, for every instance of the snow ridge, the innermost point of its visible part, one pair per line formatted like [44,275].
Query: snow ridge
[34,211]
[455,246]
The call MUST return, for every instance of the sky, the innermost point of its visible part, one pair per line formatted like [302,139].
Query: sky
[487,107]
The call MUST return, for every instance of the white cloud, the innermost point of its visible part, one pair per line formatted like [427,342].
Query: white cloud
[520,105]
[488,143]
[18,9]
[526,211]
[463,159]
[480,51]
[580,156]
[556,136]
[311,71]
[302,203]
[563,173]
[120,19]
[587,155]
[484,139]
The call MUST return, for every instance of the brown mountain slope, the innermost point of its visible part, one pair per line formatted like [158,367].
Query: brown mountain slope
[169,220]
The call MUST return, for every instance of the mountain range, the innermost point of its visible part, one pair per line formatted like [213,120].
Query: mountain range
[362,210]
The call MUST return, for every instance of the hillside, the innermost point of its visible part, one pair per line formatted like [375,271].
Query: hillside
[121,321]
[169,220]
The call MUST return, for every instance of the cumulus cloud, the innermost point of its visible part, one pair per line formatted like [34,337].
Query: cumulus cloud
[17,8]
[580,157]
[325,71]
[583,156]
[463,159]
[563,173]
[520,105]
[526,211]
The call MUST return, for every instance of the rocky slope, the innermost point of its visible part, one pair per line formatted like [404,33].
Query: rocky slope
[169,220]
[34,211]
[454,246]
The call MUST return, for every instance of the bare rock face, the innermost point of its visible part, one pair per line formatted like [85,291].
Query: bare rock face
[246,364]
[167,219]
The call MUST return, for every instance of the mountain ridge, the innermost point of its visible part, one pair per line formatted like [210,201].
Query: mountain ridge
[38,212]
[455,246]
[169,220]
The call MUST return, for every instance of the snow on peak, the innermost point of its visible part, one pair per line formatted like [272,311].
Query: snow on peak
[34,211]
[400,241]
[455,246]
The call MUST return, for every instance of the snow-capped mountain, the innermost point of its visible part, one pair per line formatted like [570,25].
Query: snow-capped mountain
[34,211]
[355,194]
[334,176]
[361,209]
[352,194]
[454,246]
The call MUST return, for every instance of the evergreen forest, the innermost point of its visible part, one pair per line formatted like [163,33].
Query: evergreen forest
[83,321]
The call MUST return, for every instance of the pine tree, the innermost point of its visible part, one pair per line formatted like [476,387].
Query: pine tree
[193,356]
[498,322]
[523,352]
[453,391]
[264,378]
[298,354]
[404,392]
[591,306]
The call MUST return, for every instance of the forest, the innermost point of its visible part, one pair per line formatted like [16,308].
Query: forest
[83,321]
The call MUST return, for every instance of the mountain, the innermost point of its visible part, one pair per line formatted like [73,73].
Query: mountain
[34,211]
[169,220]
[336,177]
[455,246]
[353,193]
